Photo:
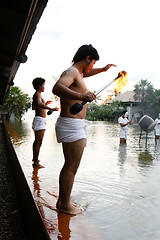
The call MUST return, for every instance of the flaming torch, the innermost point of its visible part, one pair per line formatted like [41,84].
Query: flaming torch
[117,85]
[77,107]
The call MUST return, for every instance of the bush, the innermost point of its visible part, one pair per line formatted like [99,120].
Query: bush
[106,112]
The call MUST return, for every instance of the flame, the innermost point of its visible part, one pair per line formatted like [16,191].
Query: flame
[108,98]
[117,85]
[120,82]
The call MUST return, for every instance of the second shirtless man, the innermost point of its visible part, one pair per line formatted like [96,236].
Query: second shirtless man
[39,121]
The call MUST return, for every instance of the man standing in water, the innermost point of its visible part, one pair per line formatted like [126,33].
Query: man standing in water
[39,121]
[71,129]
[123,124]
[157,127]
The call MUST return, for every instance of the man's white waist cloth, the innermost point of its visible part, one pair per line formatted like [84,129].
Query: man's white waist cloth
[39,123]
[71,129]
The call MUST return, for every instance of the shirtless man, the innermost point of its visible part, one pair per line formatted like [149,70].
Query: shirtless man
[71,129]
[39,121]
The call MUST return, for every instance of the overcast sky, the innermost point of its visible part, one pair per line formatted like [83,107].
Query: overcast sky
[124,32]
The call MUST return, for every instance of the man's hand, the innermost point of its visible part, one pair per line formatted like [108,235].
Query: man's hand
[55,109]
[130,122]
[108,66]
[48,102]
[90,96]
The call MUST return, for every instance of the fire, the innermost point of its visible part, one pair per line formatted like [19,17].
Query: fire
[117,85]
[120,82]
[108,98]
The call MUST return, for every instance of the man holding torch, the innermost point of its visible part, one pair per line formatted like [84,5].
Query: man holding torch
[71,128]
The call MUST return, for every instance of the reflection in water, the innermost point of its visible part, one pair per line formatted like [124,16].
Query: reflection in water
[19,135]
[36,191]
[122,155]
[63,226]
[145,159]
[40,201]
[157,143]
[121,200]
[13,134]
[62,219]
[35,179]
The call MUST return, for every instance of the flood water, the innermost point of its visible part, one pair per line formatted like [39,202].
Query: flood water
[117,186]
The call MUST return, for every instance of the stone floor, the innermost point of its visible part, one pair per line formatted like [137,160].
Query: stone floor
[12,225]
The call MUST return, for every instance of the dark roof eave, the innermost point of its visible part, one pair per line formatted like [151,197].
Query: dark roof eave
[28,31]
[32,18]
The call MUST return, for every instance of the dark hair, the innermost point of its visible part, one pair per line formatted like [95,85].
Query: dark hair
[84,51]
[37,82]
[124,112]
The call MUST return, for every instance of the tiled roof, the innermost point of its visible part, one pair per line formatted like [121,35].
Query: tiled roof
[124,97]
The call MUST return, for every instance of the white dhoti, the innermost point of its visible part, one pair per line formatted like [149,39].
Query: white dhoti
[123,134]
[71,129]
[123,130]
[39,123]
[157,132]
[157,127]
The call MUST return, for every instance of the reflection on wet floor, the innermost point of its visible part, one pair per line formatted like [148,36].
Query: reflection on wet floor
[41,202]
[59,224]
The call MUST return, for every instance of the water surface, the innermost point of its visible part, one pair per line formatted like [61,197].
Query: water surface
[117,186]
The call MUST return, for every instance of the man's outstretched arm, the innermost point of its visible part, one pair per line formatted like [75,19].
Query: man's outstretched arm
[95,71]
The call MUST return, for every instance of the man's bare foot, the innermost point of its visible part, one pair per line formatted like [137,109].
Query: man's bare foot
[37,165]
[58,204]
[69,209]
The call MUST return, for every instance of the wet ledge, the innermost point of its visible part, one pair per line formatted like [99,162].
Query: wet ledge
[19,215]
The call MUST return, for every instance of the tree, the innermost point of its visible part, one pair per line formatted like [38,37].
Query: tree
[17,102]
[104,112]
[143,90]
[152,106]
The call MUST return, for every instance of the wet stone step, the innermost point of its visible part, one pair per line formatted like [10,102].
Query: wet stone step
[12,225]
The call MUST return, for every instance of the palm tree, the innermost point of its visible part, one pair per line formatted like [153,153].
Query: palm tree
[17,102]
[143,90]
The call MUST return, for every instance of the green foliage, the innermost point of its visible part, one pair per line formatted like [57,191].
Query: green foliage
[152,105]
[17,102]
[149,98]
[104,112]
[145,94]
[142,90]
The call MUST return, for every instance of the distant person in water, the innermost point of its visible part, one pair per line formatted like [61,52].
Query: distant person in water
[71,129]
[39,121]
[123,123]
[157,127]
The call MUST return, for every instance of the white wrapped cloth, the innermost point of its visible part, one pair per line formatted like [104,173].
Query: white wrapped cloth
[123,130]
[157,127]
[39,123]
[71,129]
